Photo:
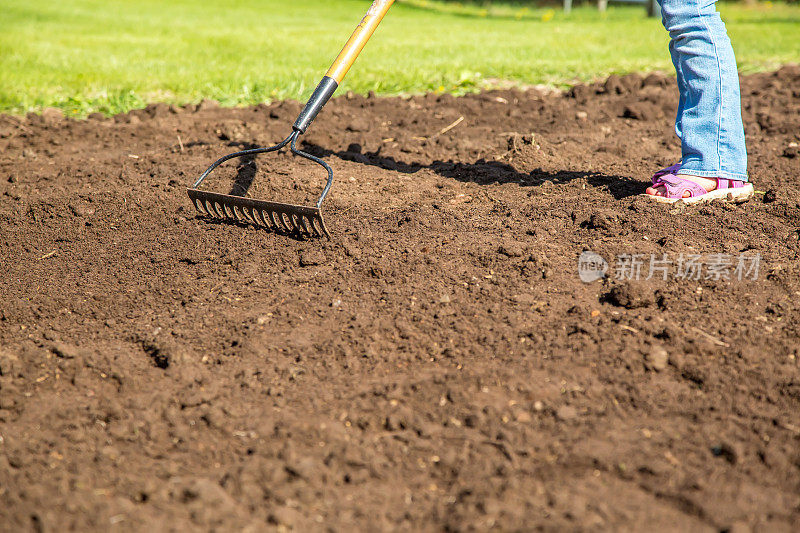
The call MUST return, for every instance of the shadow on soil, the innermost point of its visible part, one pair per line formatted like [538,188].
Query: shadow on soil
[246,170]
[485,172]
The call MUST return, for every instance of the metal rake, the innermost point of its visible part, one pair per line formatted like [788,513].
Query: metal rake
[283,217]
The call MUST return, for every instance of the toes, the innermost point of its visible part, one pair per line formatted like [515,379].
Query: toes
[655,191]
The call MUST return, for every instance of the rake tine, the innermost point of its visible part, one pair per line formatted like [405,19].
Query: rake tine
[248,212]
[247,215]
[296,227]
[259,218]
[287,218]
[270,216]
[305,226]
[276,219]
[282,218]
[279,226]
[314,229]
[275,224]
[308,227]
[315,225]
[259,214]
[295,223]
[244,216]
[290,218]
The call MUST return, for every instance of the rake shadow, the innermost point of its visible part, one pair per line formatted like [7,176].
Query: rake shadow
[294,235]
[485,172]
[245,171]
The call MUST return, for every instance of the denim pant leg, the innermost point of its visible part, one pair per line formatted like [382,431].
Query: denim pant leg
[709,123]
[681,89]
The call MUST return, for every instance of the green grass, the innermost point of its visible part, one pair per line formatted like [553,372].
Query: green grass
[114,55]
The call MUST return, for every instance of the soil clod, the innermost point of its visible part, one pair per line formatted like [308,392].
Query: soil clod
[631,295]
[657,358]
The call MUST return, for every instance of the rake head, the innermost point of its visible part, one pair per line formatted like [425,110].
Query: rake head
[280,218]
[275,216]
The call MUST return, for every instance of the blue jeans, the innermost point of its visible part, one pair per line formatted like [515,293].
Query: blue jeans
[709,121]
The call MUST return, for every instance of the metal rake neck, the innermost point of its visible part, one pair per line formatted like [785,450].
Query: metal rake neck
[293,147]
[291,140]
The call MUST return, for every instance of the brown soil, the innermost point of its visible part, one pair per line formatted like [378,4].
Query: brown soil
[438,364]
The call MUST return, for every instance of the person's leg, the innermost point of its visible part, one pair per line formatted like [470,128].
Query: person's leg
[709,121]
[681,88]
[679,115]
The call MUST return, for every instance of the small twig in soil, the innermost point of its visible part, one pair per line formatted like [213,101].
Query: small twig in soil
[628,328]
[492,198]
[51,254]
[671,458]
[790,427]
[180,143]
[502,448]
[450,127]
[710,337]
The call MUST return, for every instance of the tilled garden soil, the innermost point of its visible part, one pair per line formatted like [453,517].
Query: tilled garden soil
[438,364]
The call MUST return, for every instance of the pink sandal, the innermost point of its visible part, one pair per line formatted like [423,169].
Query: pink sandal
[664,171]
[727,190]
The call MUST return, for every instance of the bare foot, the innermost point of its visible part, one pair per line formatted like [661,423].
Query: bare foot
[706,183]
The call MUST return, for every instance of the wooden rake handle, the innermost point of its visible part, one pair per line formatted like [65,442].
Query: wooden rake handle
[342,64]
[359,39]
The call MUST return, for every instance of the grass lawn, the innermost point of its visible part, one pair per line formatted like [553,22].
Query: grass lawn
[114,55]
